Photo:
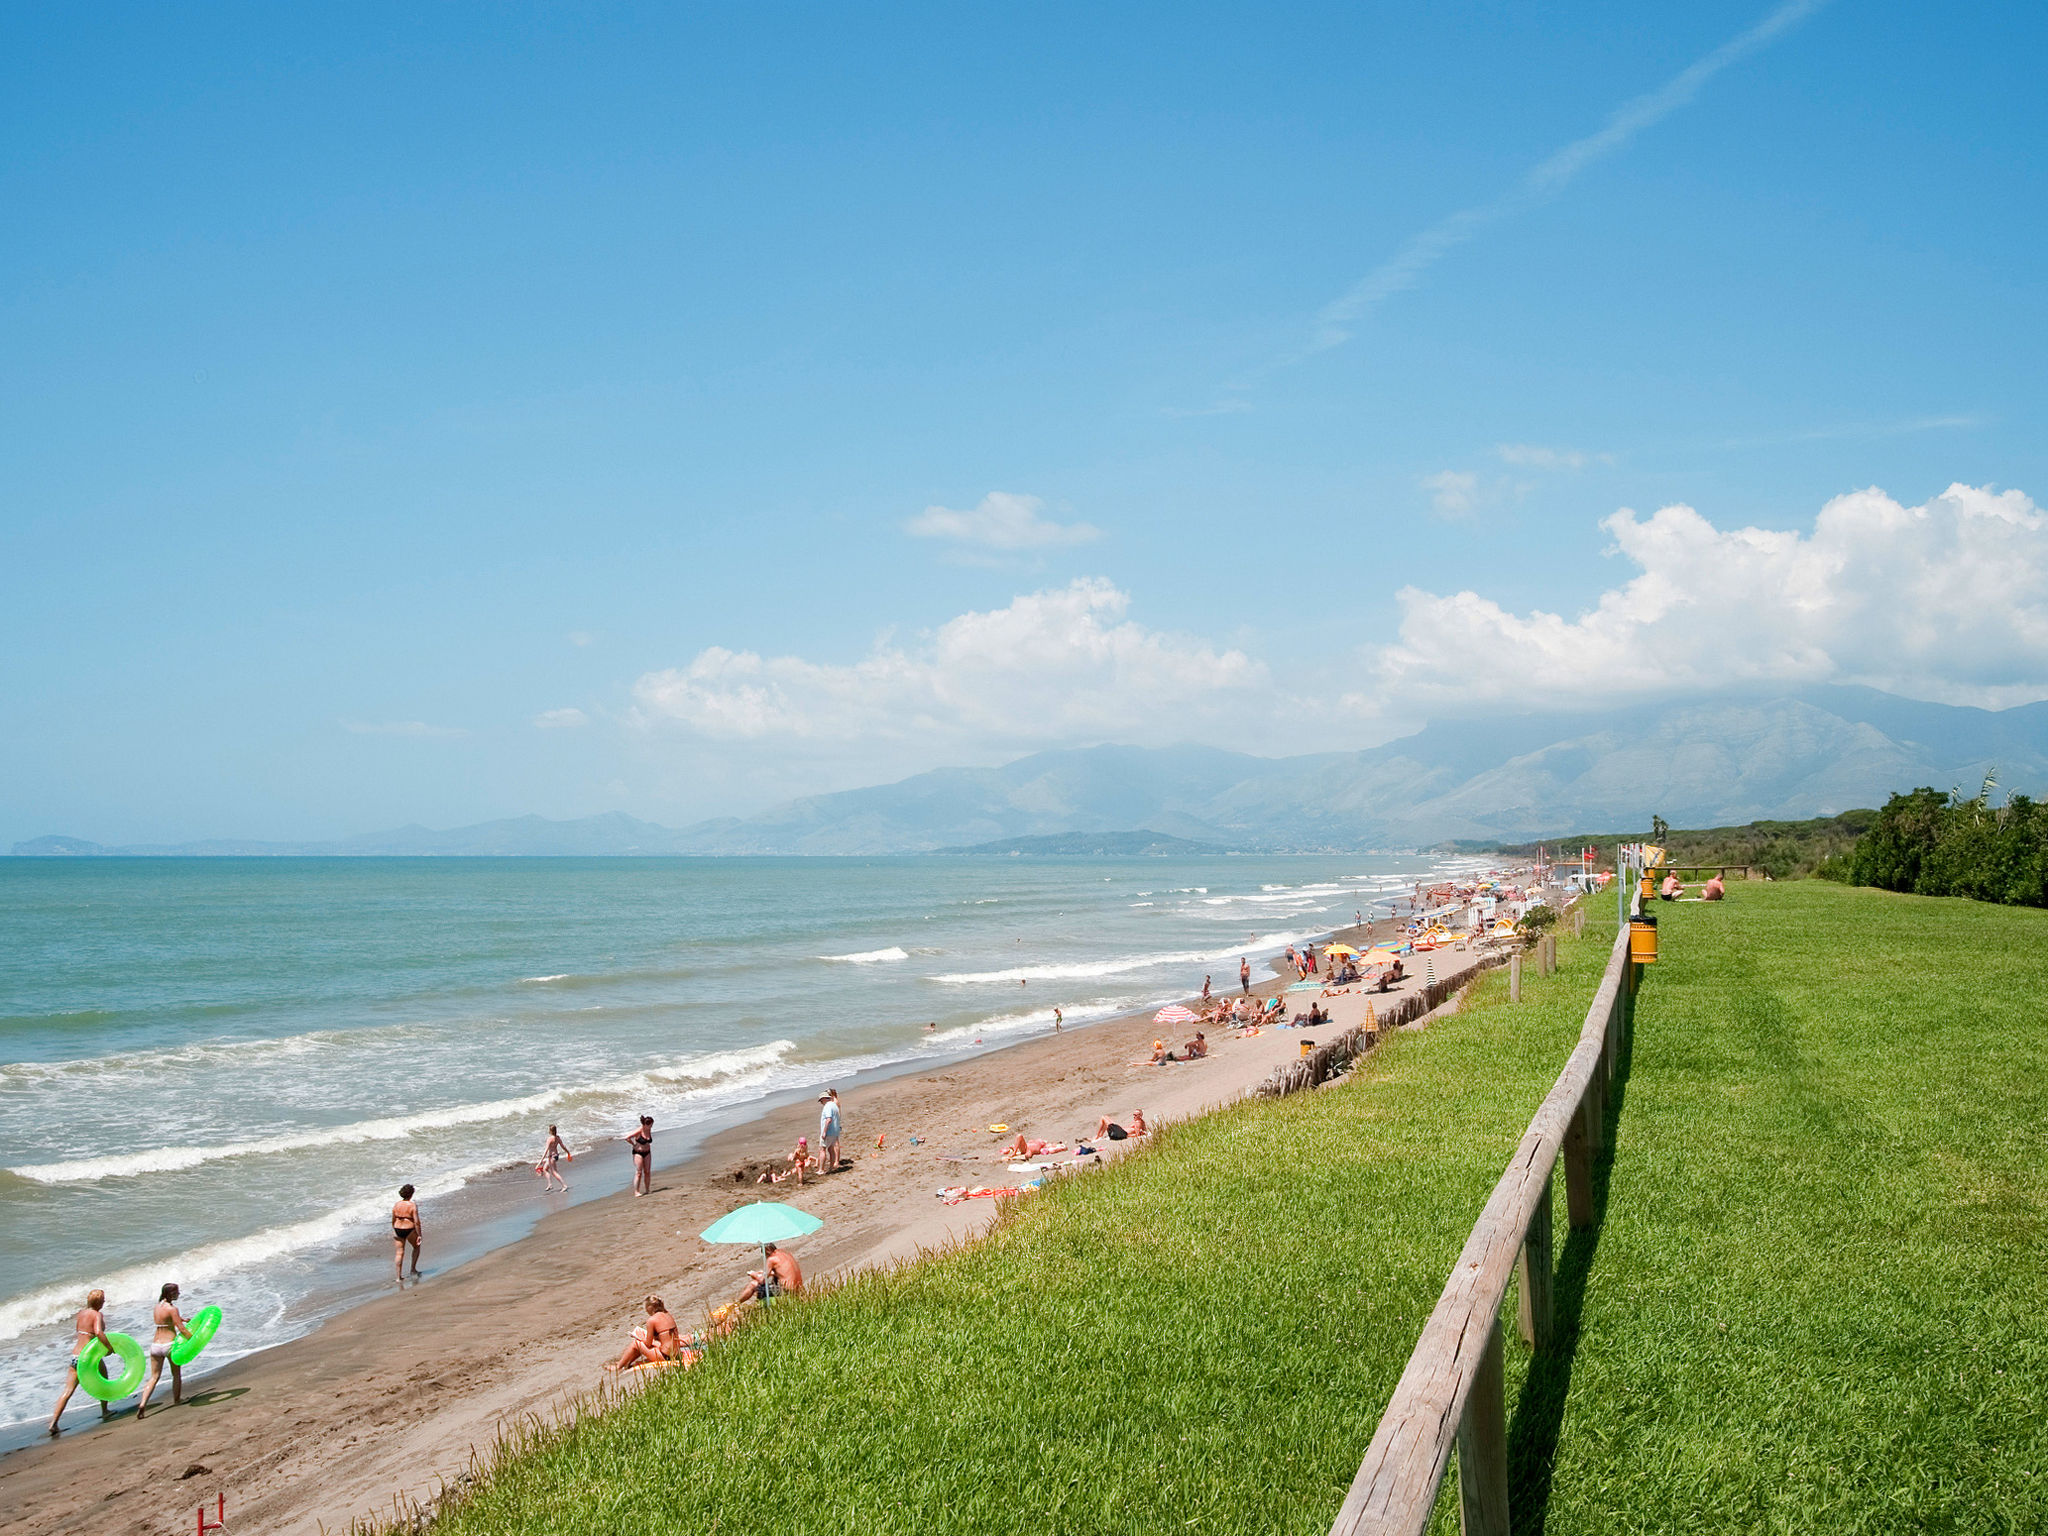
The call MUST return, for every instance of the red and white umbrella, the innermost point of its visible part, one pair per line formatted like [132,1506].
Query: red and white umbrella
[1173,1013]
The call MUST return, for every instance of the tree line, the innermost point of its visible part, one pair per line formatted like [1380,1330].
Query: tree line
[1937,844]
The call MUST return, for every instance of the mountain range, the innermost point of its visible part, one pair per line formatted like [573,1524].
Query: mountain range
[1701,762]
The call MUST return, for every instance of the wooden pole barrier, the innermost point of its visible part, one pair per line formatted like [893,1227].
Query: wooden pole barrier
[1483,1448]
[1578,1170]
[1534,1275]
[1514,978]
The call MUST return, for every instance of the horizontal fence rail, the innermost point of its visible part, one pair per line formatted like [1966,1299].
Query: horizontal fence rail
[1453,1392]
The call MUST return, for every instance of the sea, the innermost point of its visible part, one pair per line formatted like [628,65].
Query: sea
[218,1071]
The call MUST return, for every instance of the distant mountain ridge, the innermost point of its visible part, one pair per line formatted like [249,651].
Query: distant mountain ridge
[1722,760]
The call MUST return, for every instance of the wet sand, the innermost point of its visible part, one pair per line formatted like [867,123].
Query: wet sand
[393,1399]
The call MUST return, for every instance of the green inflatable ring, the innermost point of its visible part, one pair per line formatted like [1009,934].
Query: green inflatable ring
[124,1385]
[204,1324]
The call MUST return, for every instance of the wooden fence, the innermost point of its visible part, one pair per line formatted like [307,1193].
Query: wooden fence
[1453,1391]
[1331,1058]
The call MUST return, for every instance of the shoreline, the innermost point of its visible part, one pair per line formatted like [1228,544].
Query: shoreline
[388,1397]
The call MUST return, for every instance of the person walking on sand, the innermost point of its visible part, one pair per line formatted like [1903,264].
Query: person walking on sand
[1205,989]
[641,1140]
[1058,1019]
[406,1228]
[89,1324]
[828,1130]
[1244,976]
[549,1167]
[170,1327]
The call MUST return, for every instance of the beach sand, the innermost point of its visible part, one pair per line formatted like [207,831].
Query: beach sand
[393,1399]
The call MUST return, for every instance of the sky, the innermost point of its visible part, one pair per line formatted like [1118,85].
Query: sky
[431,414]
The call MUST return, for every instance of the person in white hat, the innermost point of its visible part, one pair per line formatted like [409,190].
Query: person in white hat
[828,1130]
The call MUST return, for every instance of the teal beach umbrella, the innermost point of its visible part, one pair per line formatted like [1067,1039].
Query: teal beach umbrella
[763,1222]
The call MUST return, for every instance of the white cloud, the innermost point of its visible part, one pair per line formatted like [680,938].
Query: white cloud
[1547,179]
[418,728]
[1065,664]
[560,719]
[1001,521]
[1947,600]
[1452,492]
[1536,456]
[581,637]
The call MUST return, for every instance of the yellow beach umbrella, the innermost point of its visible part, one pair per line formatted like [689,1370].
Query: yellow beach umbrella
[1339,949]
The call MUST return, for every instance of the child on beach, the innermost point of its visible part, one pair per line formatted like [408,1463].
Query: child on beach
[88,1325]
[547,1169]
[799,1161]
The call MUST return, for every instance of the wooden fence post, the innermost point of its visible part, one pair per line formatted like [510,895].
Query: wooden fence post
[1534,1275]
[1483,1447]
[1515,977]
[1578,1169]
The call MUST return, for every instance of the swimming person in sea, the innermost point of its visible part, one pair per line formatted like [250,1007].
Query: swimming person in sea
[406,1229]
[170,1327]
[548,1167]
[641,1140]
[89,1324]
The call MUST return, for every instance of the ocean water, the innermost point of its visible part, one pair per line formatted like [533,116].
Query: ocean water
[219,1071]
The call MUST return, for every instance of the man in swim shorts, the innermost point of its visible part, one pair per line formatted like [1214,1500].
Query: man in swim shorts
[782,1279]
[1108,1127]
[89,1324]
[170,1328]
[828,1130]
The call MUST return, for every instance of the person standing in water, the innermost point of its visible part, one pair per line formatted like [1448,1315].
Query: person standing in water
[549,1165]
[642,1143]
[406,1229]
[89,1324]
[170,1327]
[1058,1019]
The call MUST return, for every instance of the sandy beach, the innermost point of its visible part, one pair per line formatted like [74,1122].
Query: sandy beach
[391,1400]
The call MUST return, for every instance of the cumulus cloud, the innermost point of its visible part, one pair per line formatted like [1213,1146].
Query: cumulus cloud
[1947,600]
[418,728]
[561,719]
[1066,664]
[1453,493]
[1000,521]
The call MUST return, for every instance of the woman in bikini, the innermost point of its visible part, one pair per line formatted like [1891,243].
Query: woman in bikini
[641,1140]
[548,1167]
[659,1342]
[406,1228]
[89,1324]
[170,1328]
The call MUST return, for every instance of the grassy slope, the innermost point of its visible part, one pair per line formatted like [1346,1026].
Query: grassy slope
[1201,1338]
[1820,1297]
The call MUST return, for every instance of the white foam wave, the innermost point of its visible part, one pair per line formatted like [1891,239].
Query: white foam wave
[135,1287]
[1120,965]
[531,980]
[396,1127]
[870,956]
[1035,1019]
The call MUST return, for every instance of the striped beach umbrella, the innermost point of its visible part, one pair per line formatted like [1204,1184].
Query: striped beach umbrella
[1173,1013]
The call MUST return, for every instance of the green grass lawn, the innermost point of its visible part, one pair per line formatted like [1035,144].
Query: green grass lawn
[1819,1297]
[1201,1338]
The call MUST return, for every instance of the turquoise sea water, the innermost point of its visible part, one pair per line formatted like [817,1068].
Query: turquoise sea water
[218,1071]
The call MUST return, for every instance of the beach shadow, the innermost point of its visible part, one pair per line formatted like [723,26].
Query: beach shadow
[1539,1411]
[217,1395]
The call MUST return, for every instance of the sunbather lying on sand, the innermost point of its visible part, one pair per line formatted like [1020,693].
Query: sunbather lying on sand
[1024,1147]
[659,1342]
[799,1161]
[1108,1127]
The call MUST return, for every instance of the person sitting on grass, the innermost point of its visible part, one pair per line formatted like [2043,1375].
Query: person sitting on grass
[1713,890]
[782,1278]
[1108,1127]
[657,1343]
[1672,888]
[799,1161]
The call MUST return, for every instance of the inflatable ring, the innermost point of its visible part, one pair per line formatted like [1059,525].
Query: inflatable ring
[204,1325]
[111,1389]
[998,1129]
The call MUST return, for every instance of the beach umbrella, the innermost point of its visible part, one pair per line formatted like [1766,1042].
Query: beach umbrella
[1378,957]
[1339,949]
[1173,1013]
[763,1222]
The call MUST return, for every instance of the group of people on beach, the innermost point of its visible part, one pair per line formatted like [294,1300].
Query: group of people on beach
[89,1326]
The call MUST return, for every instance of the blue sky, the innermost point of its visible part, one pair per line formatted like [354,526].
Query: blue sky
[434,415]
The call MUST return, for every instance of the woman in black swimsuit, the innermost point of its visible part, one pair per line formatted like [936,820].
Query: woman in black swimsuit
[642,1143]
[406,1228]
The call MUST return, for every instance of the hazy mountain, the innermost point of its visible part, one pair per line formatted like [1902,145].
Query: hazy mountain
[1140,844]
[1701,762]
